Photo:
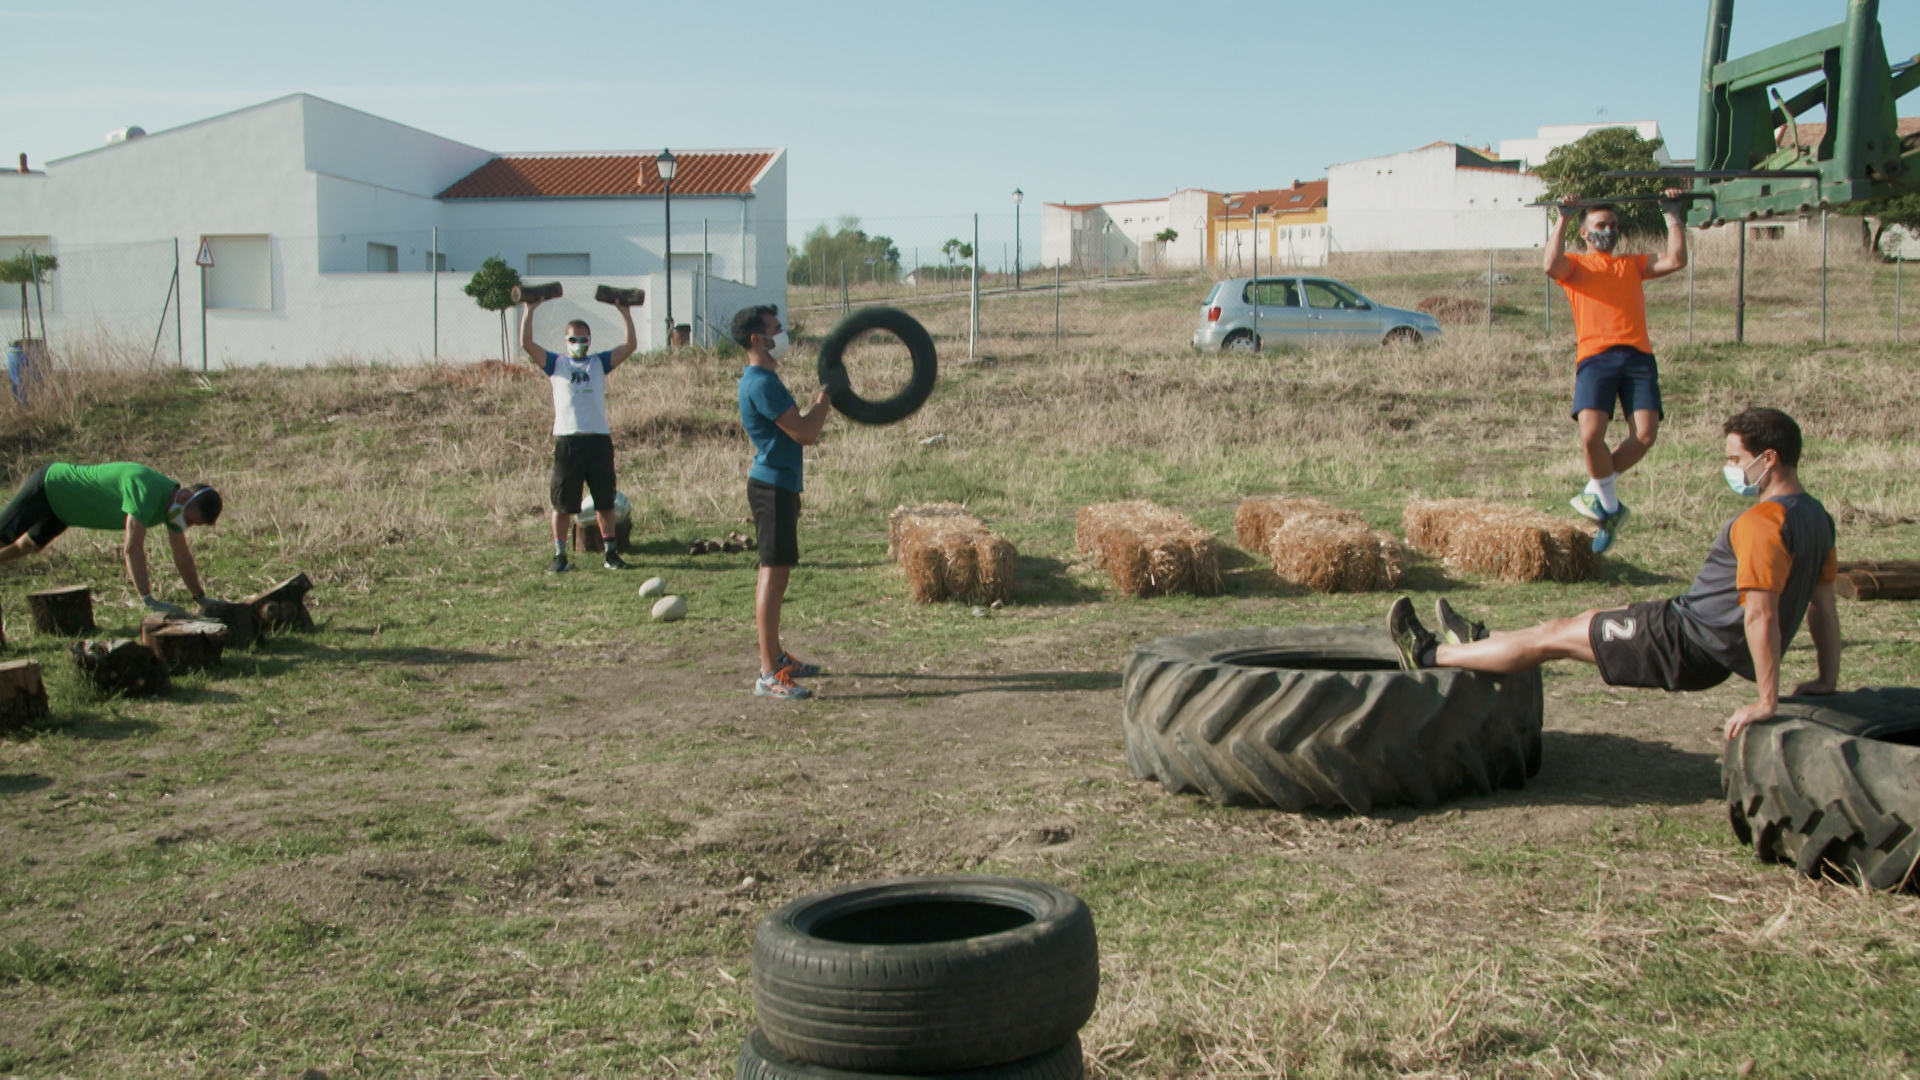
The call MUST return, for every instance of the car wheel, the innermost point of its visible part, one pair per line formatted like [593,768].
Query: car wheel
[1238,341]
[1403,336]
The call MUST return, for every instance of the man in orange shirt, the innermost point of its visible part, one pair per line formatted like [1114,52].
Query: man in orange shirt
[1615,352]
[1768,570]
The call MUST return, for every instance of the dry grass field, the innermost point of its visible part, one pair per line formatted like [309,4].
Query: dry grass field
[491,822]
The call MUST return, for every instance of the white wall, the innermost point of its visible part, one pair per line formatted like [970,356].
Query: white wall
[1533,152]
[1187,214]
[1419,201]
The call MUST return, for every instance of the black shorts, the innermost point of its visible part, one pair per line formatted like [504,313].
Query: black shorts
[776,521]
[31,513]
[582,459]
[1620,373]
[1645,645]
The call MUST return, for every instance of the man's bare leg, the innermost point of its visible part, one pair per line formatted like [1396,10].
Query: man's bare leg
[19,549]
[1639,440]
[1593,443]
[1523,650]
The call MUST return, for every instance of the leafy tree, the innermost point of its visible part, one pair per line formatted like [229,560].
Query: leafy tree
[955,251]
[1166,236]
[823,251]
[1886,210]
[19,270]
[1576,168]
[492,288]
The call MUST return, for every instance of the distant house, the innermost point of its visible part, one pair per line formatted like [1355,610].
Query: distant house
[326,223]
[1121,236]
[1279,227]
[1440,197]
[1532,153]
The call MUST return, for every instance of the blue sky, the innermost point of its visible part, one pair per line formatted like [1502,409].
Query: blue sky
[902,108]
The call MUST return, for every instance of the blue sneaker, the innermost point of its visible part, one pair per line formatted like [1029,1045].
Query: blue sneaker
[1587,505]
[1609,529]
[780,685]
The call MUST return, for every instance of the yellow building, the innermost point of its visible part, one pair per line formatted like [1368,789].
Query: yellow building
[1270,230]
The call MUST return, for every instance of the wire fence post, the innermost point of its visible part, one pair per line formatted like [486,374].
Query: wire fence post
[844,308]
[1740,290]
[173,286]
[33,267]
[179,301]
[1901,258]
[1056,310]
[973,321]
[1489,296]
[203,319]
[433,258]
[1689,299]
[1823,275]
[1546,287]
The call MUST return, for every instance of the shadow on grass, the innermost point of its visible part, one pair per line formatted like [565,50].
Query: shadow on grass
[1626,573]
[1593,768]
[21,783]
[1045,582]
[100,728]
[913,684]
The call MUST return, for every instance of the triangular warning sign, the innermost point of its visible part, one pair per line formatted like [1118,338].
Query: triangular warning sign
[205,258]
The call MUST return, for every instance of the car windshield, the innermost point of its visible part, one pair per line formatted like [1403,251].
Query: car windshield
[1275,292]
[1332,294]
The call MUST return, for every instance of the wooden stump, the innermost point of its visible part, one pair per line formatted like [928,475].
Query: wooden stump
[587,537]
[23,697]
[121,664]
[283,607]
[184,644]
[1895,580]
[65,612]
[237,618]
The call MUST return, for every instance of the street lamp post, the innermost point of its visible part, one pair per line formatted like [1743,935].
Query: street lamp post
[1017,196]
[666,163]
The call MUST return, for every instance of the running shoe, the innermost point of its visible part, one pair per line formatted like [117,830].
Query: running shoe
[1609,529]
[558,565]
[795,666]
[1587,505]
[780,685]
[1454,629]
[614,562]
[1412,639]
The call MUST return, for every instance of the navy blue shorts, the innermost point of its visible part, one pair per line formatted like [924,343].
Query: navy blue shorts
[1621,373]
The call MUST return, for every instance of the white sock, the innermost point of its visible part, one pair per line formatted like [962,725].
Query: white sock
[1604,488]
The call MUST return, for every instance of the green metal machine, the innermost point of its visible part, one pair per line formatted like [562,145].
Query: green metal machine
[1860,156]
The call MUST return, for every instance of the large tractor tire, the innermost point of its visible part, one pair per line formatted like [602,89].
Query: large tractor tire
[1307,716]
[760,1061]
[1832,785]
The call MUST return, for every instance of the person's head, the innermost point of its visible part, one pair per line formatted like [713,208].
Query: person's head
[199,504]
[1600,226]
[1760,443]
[756,329]
[579,339]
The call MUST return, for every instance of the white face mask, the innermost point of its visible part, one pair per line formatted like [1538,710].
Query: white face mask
[578,349]
[779,348]
[1737,480]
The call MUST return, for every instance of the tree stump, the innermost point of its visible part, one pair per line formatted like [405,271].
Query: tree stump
[184,644]
[23,697]
[64,612]
[283,607]
[586,537]
[121,664]
[237,618]
[1894,580]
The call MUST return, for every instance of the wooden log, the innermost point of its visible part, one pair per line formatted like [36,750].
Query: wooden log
[121,664]
[184,644]
[586,536]
[65,612]
[23,697]
[283,607]
[237,618]
[1892,580]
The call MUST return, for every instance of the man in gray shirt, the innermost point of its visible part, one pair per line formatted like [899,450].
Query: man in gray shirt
[1769,569]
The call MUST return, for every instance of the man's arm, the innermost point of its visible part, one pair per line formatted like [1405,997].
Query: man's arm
[1823,622]
[536,355]
[1675,257]
[625,349]
[1763,642]
[1557,265]
[183,561]
[804,427]
[136,556]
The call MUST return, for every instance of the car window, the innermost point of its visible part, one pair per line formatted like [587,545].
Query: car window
[1278,292]
[1332,294]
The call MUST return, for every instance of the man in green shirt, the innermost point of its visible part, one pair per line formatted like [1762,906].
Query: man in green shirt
[121,495]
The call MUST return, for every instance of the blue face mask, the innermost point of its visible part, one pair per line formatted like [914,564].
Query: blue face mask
[1737,480]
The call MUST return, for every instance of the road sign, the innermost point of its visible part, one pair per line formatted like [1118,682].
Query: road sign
[205,258]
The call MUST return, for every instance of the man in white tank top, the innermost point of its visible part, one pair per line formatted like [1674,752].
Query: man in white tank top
[582,440]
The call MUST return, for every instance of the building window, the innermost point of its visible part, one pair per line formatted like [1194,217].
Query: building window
[241,278]
[383,259]
[11,246]
[436,260]
[576,265]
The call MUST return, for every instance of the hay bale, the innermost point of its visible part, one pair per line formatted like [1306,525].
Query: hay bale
[1317,545]
[1512,543]
[949,554]
[1149,550]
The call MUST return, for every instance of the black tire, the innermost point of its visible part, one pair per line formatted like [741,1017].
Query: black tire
[925,974]
[1304,716]
[1402,336]
[760,1061]
[1238,341]
[1832,785]
[833,369]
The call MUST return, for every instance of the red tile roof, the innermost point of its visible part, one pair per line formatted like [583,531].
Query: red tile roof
[534,176]
[1308,196]
[1811,134]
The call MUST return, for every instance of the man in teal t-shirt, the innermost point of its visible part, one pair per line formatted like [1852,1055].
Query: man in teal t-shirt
[122,495]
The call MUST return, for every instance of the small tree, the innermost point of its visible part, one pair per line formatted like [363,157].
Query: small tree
[492,288]
[1166,236]
[849,244]
[19,270]
[1577,168]
[1885,210]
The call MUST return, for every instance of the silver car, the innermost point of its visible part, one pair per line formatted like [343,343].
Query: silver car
[1302,311]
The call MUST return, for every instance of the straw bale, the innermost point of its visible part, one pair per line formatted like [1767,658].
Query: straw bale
[948,554]
[1149,550]
[1317,545]
[1512,543]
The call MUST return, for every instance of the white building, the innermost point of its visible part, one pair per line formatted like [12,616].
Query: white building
[1122,236]
[324,223]
[1441,197]
[1532,153]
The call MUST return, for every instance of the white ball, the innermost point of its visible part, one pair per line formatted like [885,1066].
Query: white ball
[670,609]
[653,586]
[622,509]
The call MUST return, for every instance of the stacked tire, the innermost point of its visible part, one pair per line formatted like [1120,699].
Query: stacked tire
[981,978]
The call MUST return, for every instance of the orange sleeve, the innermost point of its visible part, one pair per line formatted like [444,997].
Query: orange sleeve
[1832,568]
[1759,553]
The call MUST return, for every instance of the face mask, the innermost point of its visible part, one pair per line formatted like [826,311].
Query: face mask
[779,349]
[177,515]
[1737,480]
[577,347]
[1603,240]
